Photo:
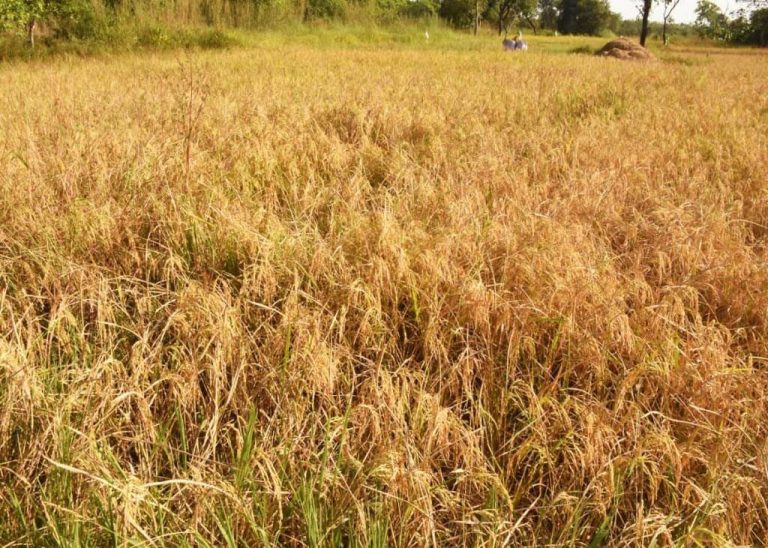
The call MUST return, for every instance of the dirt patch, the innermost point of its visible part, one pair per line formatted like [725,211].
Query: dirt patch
[621,48]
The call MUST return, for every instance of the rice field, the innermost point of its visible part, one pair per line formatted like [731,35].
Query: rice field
[312,295]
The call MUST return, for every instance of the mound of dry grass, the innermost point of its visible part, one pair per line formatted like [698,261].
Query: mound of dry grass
[622,48]
[382,297]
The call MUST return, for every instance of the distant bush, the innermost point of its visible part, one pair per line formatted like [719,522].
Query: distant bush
[163,38]
[583,50]
[389,10]
[457,12]
[79,19]
[326,9]
[214,39]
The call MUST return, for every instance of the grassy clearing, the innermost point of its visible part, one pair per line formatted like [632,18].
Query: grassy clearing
[374,296]
[121,40]
[155,37]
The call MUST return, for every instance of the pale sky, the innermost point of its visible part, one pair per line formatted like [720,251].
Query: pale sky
[684,12]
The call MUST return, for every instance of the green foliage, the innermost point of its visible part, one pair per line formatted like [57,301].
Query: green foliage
[752,28]
[583,17]
[392,9]
[548,12]
[16,14]
[759,27]
[583,50]
[507,12]
[631,27]
[710,21]
[458,13]
[159,37]
[326,9]
[67,19]
[78,19]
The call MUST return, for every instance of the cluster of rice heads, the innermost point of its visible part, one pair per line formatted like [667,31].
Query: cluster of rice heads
[383,297]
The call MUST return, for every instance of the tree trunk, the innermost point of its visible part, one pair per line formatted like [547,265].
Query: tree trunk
[31,32]
[646,13]
[664,32]
[503,13]
[477,16]
[531,24]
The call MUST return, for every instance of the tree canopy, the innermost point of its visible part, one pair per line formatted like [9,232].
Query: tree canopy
[583,16]
[710,20]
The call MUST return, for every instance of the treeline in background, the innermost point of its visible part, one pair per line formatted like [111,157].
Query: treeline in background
[129,23]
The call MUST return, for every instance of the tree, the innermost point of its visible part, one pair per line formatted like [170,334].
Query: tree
[568,17]
[669,6]
[24,14]
[710,21]
[758,23]
[511,10]
[548,12]
[583,16]
[459,13]
[645,13]
[750,28]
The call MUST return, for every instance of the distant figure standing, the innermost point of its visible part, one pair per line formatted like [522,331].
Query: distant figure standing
[426,35]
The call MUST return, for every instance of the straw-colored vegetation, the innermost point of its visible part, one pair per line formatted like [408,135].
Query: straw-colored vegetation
[368,297]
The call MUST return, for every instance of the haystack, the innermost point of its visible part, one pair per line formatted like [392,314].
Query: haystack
[621,48]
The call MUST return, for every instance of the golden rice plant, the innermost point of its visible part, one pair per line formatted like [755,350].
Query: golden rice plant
[370,297]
